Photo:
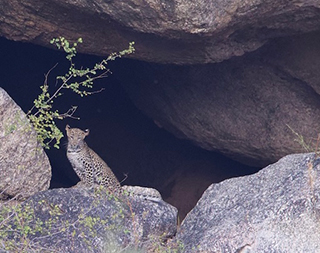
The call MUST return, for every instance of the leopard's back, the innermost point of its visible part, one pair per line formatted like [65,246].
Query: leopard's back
[102,173]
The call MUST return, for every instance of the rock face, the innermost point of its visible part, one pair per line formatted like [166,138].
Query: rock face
[243,107]
[82,220]
[275,210]
[166,31]
[24,166]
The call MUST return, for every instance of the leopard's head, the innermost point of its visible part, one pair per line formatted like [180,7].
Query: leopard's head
[76,138]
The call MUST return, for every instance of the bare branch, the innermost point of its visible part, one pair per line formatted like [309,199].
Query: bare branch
[70,112]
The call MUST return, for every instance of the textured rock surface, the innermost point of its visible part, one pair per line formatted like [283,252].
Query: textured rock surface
[274,210]
[241,107]
[167,31]
[24,166]
[297,56]
[80,220]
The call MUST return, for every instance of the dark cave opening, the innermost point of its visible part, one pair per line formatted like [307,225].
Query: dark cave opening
[132,144]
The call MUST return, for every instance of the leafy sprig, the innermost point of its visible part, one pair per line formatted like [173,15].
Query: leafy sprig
[80,81]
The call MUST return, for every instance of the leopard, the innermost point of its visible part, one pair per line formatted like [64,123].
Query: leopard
[92,170]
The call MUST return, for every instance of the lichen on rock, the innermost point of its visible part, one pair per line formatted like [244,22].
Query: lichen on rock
[24,166]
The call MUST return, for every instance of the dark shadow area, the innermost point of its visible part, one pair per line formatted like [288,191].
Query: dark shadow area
[131,143]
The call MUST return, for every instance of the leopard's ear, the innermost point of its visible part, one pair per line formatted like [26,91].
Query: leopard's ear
[87,131]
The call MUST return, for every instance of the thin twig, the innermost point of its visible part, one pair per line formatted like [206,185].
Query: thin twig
[69,113]
[45,83]
[317,147]
[125,178]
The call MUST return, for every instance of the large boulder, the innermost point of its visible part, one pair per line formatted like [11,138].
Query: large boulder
[86,220]
[166,31]
[243,107]
[252,109]
[297,56]
[24,166]
[274,210]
